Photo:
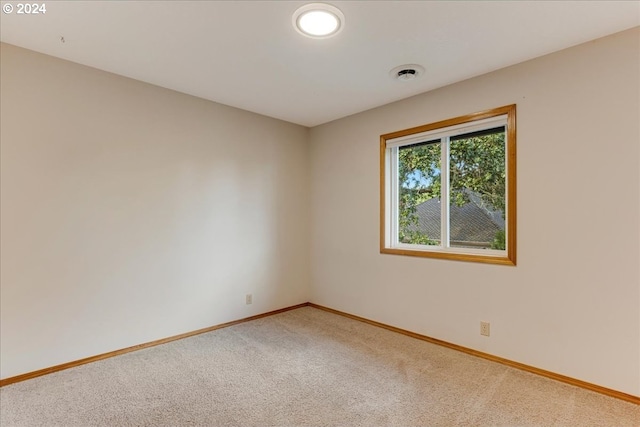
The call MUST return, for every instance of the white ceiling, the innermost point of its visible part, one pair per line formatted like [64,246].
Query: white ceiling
[247,54]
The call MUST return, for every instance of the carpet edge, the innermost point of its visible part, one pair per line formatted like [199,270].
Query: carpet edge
[107,355]
[521,366]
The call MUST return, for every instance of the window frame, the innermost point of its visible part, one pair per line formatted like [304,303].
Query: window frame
[388,227]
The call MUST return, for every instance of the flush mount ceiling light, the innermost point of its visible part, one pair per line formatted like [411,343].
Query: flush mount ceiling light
[318,20]
[407,72]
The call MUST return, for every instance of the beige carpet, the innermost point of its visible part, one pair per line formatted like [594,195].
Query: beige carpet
[305,367]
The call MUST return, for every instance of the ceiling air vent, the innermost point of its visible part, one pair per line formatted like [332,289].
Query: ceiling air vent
[407,72]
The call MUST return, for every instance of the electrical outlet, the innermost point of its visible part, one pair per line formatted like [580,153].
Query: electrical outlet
[249,299]
[485,329]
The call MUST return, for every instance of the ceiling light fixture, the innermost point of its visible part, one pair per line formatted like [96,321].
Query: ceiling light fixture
[318,20]
[407,72]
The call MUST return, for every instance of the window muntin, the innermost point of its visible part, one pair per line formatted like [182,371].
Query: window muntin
[448,189]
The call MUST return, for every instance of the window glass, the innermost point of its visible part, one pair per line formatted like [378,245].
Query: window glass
[419,178]
[477,183]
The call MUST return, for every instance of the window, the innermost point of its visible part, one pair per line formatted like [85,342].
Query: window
[448,189]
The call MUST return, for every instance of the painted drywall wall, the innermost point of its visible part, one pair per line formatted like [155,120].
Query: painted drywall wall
[132,213]
[572,304]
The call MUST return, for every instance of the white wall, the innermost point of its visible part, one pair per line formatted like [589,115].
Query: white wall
[132,213]
[572,304]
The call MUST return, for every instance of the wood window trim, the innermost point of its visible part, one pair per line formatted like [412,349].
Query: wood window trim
[511,224]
